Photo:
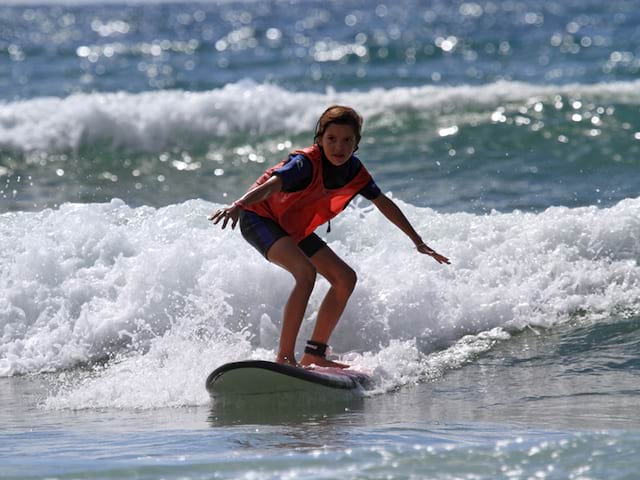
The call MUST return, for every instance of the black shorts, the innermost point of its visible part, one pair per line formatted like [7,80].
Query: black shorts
[262,233]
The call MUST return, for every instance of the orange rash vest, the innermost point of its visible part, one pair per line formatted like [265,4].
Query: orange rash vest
[300,213]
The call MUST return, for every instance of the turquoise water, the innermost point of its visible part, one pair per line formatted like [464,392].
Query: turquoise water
[538,406]
[509,133]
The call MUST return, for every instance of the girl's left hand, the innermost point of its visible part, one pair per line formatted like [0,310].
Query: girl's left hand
[225,214]
[423,248]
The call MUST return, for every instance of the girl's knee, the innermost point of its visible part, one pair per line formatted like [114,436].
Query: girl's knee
[306,276]
[346,281]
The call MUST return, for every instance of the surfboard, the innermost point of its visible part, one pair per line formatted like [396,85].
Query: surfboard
[260,377]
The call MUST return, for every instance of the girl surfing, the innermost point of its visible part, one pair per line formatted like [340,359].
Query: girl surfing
[281,210]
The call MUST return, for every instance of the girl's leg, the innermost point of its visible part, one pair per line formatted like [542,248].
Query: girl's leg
[286,254]
[343,280]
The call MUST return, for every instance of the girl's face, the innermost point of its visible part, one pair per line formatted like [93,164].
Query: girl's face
[338,143]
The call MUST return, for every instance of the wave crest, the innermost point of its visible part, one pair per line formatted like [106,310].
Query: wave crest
[155,121]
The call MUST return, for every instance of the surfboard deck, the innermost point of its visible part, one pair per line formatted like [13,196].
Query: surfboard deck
[259,377]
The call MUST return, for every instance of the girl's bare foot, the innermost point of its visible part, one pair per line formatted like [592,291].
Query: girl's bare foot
[287,360]
[308,360]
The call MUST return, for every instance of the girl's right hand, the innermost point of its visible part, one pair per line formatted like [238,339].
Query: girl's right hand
[231,212]
[423,248]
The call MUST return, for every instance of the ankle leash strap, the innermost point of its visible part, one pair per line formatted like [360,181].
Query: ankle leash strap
[316,348]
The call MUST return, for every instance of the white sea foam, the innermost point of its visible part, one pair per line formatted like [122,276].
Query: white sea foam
[154,121]
[165,297]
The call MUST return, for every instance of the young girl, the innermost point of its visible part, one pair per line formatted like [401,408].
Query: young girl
[280,212]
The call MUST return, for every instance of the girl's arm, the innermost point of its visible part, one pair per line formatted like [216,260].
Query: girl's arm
[258,194]
[393,213]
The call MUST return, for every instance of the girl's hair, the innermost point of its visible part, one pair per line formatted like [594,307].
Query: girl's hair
[339,115]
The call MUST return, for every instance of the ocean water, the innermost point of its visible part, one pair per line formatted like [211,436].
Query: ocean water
[508,132]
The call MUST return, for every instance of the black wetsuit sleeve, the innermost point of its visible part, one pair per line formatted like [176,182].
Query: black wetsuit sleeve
[296,174]
[371,191]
